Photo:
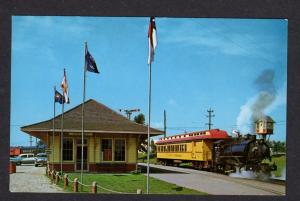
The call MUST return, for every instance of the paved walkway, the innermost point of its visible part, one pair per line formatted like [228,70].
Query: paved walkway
[31,179]
[216,184]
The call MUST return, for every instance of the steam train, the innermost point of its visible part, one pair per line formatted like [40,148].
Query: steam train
[215,150]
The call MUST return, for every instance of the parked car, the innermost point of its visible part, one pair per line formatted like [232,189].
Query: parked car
[24,159]
[40,160]
[12,159]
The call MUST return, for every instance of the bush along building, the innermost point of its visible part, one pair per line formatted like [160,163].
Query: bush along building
[110,140]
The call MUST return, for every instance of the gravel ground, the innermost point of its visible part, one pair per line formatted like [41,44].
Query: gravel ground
[216,184]
[31,179]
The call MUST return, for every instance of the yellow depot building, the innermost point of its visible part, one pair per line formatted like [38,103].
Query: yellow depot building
[110,140]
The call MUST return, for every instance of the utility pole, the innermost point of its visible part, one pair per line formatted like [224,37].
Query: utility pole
[165,123]
[36,145]
[210,115]
[129,112]
[30,140]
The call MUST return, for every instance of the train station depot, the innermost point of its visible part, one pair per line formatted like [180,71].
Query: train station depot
[110,139]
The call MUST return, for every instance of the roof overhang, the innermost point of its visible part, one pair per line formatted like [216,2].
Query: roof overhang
[88,131]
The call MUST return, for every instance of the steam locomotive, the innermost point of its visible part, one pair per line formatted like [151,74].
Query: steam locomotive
[242,152]
[215,150]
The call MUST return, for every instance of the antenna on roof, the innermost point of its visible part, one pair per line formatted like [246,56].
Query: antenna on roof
[128,112]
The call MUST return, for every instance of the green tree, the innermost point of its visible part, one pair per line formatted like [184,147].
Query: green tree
[277,146]
[140,119]
[153,147]
[142,141]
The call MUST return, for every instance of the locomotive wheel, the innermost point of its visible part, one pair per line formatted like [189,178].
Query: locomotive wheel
[200,166]
[220,169]
[162,162]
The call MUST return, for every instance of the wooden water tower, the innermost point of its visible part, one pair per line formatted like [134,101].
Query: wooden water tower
[264,126]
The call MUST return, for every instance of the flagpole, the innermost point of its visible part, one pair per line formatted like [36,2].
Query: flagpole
[62,137]
[53,132]
[149,122]
[82,133]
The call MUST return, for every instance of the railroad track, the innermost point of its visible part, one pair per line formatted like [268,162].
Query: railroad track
[277,181]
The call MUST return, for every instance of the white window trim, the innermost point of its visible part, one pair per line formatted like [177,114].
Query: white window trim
[112,149]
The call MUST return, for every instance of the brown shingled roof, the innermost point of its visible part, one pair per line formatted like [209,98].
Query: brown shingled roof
[98,119]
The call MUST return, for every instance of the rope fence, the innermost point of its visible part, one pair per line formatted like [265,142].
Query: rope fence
[56,177]
[113,190]
[69,180]
[85,184]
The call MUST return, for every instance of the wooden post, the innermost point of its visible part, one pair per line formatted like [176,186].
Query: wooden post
[94,187]
[139,191]
[56,178]
[75,185]
[53,175]
[12,168]
[66,182]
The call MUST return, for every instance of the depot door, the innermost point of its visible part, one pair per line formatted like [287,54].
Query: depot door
[78,155]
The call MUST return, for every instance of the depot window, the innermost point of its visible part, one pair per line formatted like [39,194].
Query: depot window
[119,150]
[106,149]
[67,149]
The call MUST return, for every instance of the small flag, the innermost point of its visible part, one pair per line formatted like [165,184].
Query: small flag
[90,62]
[152,39]
[64,87]
[58,97]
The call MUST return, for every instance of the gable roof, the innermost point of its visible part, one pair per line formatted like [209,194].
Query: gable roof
[213,134]
[265,118]
[98,119]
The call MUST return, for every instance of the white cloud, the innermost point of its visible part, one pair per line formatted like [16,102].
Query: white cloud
[74,25]
[39,26]
[218,38]
[244,117]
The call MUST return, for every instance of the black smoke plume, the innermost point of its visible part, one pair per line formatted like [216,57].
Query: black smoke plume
[266,94]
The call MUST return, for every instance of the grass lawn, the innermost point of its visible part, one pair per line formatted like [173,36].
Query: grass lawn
[128,183]
[280,161]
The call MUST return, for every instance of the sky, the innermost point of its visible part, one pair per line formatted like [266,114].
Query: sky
[199,63]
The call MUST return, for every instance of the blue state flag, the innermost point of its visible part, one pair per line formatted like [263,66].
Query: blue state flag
[58,97]
[90,63]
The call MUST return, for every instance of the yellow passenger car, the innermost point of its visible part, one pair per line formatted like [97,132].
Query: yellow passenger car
[195,147]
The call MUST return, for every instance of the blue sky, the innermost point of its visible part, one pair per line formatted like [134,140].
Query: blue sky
[199,63]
